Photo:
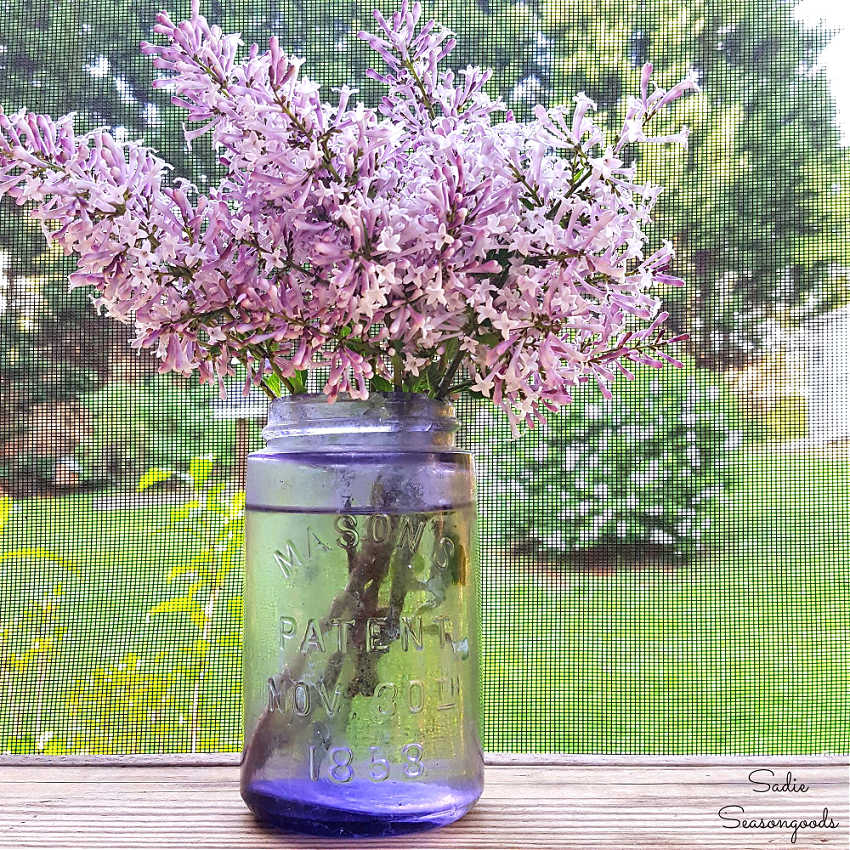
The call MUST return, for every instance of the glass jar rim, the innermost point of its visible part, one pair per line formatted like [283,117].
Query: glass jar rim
[391,413]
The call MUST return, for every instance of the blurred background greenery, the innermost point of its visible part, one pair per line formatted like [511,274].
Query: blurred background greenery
[663,573]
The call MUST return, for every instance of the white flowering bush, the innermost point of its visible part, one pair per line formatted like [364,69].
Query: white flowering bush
[644,468]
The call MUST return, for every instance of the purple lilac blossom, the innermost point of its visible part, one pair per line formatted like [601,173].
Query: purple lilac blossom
[433,242]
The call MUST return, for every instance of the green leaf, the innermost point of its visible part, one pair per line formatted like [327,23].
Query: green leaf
[227,566]
[181,604]
[5,511]
[421,384]
[200,649]
[274,384]
[198,616]
[491,339]
[196,565]
[37,553]
[299,381]
[237,504]
[380,385]
[199,470]
[184,511]
[154,476]
[169,606]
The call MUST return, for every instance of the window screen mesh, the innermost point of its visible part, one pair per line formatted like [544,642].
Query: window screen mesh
[667,573]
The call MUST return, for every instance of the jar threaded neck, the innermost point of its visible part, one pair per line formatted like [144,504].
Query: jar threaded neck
[395,421]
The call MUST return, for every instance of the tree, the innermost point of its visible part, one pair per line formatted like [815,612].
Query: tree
[757,207]
[52,345]
[82,56]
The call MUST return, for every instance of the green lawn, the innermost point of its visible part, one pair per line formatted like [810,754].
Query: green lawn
[743,651]
[121,561]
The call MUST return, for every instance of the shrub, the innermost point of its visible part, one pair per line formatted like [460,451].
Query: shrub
[643,469]
[127,707]
[174,699]
[29,644]
[205,588]
[178,697]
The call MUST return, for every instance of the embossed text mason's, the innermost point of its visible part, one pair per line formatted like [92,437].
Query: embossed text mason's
[361,618]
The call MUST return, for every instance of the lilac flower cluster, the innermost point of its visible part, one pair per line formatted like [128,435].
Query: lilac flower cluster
[432,244]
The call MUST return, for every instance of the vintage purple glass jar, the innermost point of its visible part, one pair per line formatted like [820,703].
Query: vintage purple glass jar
[362,618]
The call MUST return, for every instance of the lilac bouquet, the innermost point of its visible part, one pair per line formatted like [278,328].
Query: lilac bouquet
[431,245]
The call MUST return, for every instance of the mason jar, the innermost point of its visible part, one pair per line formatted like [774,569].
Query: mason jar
[362,618]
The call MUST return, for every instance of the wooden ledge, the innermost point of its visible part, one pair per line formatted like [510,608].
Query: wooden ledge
[529,802]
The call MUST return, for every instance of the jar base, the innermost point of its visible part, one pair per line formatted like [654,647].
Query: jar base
[285,808]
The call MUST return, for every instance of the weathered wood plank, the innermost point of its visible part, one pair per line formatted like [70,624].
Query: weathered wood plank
[513,759]
[650,802]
